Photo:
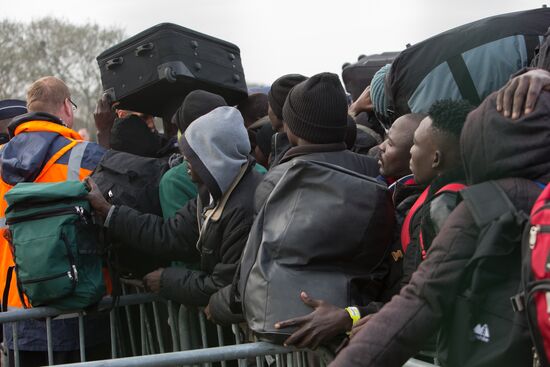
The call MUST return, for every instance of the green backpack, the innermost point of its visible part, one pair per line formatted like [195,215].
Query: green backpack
[55,245]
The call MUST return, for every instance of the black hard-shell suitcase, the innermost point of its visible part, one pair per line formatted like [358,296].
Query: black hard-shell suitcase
[357,76]
[153,71]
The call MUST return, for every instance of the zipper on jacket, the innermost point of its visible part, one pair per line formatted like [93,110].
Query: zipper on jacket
[78,210]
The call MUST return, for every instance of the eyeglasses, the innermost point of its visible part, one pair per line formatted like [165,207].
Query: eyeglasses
[75,107]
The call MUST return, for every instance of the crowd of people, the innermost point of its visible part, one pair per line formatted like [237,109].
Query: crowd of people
[227,161]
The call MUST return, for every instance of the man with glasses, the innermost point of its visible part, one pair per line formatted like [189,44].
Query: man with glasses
[44,148]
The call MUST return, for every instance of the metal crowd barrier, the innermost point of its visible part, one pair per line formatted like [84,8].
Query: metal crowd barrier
[186,341]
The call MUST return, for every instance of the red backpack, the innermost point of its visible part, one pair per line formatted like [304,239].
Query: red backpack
[536,276]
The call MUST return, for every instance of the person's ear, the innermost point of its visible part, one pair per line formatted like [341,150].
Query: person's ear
[437,160]
[67,107]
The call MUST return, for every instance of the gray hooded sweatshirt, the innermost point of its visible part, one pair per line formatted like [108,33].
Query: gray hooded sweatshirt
[217,147]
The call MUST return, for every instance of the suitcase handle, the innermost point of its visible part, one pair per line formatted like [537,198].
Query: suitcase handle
[143,49]
[114,62]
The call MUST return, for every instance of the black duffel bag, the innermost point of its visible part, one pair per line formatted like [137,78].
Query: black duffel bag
[132,180]
[324,230]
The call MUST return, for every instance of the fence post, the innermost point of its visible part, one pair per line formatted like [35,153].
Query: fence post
[112,325]
[173,326]
[81,338]
[49,340]
[157,327]
[15,344]
[184,327]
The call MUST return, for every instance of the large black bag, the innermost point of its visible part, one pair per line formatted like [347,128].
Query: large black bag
[467,62]
[324,230]
[132,180]
[153,71]
[483,329]
[357,76]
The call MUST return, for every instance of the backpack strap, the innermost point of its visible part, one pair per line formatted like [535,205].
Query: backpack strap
[6,293]
[463,79]
[405,228]
[452,187]
[486,202]
[531,44]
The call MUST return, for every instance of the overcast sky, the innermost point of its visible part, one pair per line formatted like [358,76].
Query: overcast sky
[278,37]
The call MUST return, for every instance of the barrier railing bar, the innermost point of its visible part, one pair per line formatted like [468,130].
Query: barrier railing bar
[130,330]
[15,345]
[130,323]
[150,341]
[221,342]
[112,326]
[289,361]
[49,340]
[143,336]
[121,346]
[278,361]
[202,325]
[208,355]
[184,327]
[299,359]
[82,341]
[43,312]
[416,363]
[173,326]
[160,338]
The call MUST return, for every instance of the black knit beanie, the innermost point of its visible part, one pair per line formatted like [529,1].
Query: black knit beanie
[132,135]
[279,91]
[316,110]
[196,104]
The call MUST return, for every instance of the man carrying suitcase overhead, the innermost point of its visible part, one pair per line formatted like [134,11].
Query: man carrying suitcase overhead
[44,148]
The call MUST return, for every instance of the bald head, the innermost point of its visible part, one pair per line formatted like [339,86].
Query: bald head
[50,94]
[406,125]
[395,150]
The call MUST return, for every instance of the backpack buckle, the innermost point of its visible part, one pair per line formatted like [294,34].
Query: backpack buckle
[518,302]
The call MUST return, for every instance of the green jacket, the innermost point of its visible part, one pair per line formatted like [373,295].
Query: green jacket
[175,190]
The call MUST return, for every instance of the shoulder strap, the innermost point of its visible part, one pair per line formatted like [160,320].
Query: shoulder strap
[405,228]
[486,202]
[6,293]
[452,187]
[531,44]
[463,79]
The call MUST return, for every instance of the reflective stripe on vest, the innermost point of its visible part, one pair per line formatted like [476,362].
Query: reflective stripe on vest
[75,160]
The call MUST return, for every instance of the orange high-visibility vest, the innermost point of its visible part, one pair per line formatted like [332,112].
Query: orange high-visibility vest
[51,172]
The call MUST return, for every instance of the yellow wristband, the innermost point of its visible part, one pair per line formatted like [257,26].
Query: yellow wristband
[354,314]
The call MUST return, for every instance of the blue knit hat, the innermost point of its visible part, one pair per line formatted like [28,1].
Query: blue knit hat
[10,108]
[378,90]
